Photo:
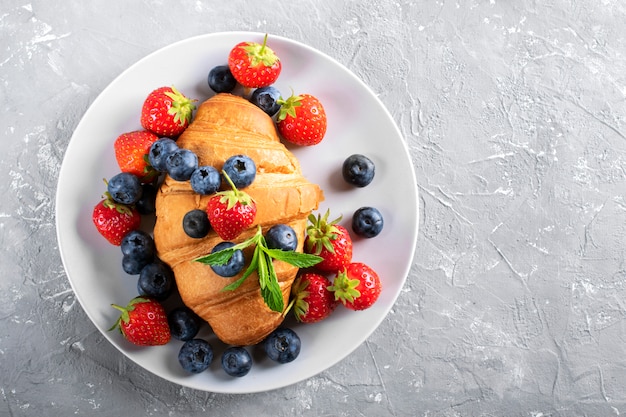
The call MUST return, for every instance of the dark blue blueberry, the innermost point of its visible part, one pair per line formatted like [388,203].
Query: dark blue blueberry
[358,170]
[195,355]
[125,188]
[282,345]
[138,244]
[281,236]
[205,180]
[196,224]
[221,80]
[133,266]
[236,361]
[184,323]
[181,164]
[146,204]
[138,250]
[266,98]
[234,265]
[367,222]
[159,151]
[241,170]
[156,280]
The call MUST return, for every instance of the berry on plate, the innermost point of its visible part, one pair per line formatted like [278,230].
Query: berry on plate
[221,80]
[195,355]
[231,212]
[282,345]
[266,98]
[329,240]
[233,266]
[205,180]
[156,280]
[166,112]
[184,323]
[124,188]
[131,153]
[236,361]
[313,301]
[302,120]
[143,322]
[281,236]
[367,222]
[253,64]
[357,286]
[181,164]
[114,220]
[358,170]
[159,151]
[138,250]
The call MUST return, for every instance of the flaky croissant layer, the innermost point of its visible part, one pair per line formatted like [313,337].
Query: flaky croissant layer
[227,125]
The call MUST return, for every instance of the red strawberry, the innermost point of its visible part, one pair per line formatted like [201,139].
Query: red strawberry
[143,322]
[330,241]
[254,65]
[302,120]
[114,220]
[166,112]
[357,286]
[230,212]
[313,301]
[131,153]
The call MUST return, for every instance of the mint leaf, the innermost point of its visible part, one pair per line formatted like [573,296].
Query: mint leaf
[301,260]
[218,258]
[272,295]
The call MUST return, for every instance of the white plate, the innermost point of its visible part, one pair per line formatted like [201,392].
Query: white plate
[357,123]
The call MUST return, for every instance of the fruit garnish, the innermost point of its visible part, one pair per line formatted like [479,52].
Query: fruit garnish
[313,301]
[357,286]
[329,240]
[253,64]
[262,263]
[230,212]
[166,112]
[114,220]
[143,322]
[131,152]
[301,120]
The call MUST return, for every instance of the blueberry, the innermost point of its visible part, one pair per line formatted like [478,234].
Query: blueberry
[125,188]
[181,164]
[221,80]
[266,98]
[358,170]
[139,244]
[241,169]
[282,345]
[146,204]
[367,222]
[133,266]
[281,236]
[159,151]
[184,323]
[234,265]
[195,355]
[196,224]
[236,361]
[138,250]
[205,180]
[156,280]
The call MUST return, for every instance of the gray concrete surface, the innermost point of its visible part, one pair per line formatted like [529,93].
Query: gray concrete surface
[514,113]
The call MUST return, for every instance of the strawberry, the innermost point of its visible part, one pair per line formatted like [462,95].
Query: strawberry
[357,286]
[302,120]
[166,112]
[114,220]
[230,212]
[330,241]
[254,65]
[143,322]
[131,153]
[313,301]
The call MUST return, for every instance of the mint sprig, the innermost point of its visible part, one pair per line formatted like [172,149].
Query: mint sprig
[262,262]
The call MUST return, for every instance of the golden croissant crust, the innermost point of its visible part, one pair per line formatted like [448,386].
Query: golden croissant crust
[227,125]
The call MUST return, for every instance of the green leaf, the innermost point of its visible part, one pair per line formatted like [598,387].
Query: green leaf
[217,258]
[251,268]
[300,260]
[272,294]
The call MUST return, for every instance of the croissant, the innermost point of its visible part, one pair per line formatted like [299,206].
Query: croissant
[226,125]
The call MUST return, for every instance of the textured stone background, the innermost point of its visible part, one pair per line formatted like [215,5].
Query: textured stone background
[514,115]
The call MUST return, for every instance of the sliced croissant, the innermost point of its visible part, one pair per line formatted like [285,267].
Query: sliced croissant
[227,125]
